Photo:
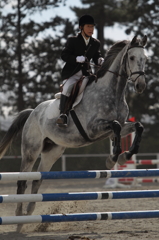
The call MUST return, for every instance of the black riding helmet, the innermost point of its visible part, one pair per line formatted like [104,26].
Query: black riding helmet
[86,19]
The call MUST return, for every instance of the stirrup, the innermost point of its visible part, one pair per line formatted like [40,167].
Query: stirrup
[62,120]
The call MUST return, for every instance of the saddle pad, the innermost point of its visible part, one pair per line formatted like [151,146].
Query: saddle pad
[80,94]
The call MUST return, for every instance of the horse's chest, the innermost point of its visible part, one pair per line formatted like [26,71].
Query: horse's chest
[122,112]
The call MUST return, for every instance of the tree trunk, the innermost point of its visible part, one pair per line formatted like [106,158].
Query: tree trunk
[100,36]
[19,52]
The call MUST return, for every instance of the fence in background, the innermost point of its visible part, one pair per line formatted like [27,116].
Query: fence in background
[66,156]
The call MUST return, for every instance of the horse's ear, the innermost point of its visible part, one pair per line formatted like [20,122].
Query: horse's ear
[133,41]
[144,40]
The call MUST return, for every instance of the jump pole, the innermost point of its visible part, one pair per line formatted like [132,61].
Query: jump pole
[79,174]
[140,180]
[138,162]
[141,162]
[78,196]
[79,217]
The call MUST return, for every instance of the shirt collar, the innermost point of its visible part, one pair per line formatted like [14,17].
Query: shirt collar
[86,40]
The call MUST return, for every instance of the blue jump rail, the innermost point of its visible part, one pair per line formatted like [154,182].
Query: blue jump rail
[79,217]
[79,174]
[78,196]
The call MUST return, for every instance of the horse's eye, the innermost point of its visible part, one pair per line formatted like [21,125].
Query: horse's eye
[132,58]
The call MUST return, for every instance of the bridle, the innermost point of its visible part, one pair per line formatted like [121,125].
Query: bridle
[140,73]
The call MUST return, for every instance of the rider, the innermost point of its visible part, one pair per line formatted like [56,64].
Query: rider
[77,51]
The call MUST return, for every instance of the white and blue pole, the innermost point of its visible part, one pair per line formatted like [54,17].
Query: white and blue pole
[15,198]
[79,174]
[79,217]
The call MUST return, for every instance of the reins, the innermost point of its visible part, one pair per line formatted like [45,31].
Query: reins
[123,75]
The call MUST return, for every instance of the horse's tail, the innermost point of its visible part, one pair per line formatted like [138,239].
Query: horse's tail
[13,131]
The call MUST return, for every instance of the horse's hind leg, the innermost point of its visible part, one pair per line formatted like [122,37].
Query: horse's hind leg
[125,156]
[27,165]
[22,185]
[30,153]
[48,158]
[112,159]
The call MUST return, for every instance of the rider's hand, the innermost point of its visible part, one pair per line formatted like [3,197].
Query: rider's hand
[80,59]
[100,61]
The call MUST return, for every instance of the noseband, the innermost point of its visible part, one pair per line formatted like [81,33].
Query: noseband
[132,73]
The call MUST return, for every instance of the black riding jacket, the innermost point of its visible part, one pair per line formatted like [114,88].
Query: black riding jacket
[75,46]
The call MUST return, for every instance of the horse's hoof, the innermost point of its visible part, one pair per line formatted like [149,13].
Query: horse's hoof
[109,163]
[122,158]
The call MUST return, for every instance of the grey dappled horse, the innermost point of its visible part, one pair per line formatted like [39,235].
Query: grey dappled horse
[102,112]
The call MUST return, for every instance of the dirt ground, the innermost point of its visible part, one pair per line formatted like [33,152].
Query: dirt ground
[91,230]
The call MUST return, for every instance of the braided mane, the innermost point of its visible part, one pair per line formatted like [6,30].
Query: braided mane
[110,56]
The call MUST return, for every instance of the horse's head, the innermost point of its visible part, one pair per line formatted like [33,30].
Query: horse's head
[135,63]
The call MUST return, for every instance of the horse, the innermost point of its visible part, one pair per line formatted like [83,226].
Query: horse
[102,112]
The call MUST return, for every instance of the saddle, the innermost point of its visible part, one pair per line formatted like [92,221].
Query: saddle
[76,93]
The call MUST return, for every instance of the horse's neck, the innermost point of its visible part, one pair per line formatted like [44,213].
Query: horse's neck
[112,78]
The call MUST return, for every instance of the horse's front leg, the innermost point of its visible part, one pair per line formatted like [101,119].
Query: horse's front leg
[102,127]
[135,145]
[116,143]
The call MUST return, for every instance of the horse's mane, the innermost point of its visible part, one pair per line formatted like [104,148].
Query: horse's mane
[110,56]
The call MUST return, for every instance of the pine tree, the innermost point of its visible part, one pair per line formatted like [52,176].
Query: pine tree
[27,59]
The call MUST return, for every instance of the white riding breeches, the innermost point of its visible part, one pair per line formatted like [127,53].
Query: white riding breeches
[68,83]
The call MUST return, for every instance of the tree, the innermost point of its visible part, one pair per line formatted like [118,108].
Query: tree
[30,62]
[44,62]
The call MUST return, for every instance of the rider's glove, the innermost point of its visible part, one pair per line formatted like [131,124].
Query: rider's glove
[80,59]
[100,61]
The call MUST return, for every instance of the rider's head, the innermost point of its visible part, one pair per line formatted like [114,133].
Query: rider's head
[86,24]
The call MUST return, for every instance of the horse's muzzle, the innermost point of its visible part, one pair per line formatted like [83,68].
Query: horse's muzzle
[140,86]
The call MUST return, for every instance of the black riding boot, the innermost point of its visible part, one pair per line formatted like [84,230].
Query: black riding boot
[63,119]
